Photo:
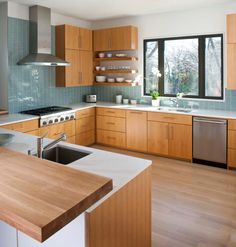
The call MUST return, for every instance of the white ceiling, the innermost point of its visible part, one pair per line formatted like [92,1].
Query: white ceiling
[103,9]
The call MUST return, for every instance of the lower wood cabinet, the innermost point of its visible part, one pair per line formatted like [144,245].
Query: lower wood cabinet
[136,130]
[170,135]
[85,127]
[158,138]
[232,144]
[180,141]
[111,138]
[25,126]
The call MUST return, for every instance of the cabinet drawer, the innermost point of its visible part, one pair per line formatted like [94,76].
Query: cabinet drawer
[86,138]
[232,158]
[25,126]
[33,132]
[110,112]
[116,139]
[111,123]
[170,118]
[85,124]
[52,131]
[69,128]
[232,124]
[232,139]
[85,113]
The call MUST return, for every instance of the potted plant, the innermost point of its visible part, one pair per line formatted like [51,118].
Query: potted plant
[155,98]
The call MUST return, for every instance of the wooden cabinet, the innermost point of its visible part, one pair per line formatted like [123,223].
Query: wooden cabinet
[170,135]
[111,127]
[74,45]
[158,138]
[115,39]
[25,126]
[231,82]
[85,127]
[136,130]
[231,143]
[180,141]
[231,29]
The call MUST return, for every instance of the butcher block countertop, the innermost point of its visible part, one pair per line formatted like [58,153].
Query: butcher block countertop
[39,197]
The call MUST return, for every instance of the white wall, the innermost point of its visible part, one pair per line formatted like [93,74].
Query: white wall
[22,12]
[182,23]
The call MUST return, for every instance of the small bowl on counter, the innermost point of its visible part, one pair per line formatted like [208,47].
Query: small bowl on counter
[100,78]
[133,102]
[120,79]
[125,101]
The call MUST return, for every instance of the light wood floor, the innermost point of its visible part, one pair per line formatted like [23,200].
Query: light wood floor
[193,205]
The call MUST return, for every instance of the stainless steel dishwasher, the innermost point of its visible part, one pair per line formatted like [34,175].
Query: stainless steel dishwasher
[210,141]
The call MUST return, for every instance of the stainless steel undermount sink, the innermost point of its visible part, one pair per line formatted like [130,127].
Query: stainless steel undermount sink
[64,155]
[185,110]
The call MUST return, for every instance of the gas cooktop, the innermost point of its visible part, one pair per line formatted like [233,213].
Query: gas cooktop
[46,110]
[52,114]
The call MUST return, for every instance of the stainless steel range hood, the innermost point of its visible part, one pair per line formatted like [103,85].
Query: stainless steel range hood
[40,39]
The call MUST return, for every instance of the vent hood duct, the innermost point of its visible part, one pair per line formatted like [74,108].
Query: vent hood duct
[40,39]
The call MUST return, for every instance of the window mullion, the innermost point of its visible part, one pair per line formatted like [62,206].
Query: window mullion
[201,67]
[161,48]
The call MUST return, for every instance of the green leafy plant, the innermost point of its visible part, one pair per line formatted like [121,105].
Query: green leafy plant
[154,94]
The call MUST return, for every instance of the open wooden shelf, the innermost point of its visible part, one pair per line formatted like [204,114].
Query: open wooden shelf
[116,59]
[132,84]
[116,71]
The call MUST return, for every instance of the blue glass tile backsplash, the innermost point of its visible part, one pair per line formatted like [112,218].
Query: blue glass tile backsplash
[30,87]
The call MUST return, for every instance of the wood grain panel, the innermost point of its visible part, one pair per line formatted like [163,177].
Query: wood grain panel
[70,139]
[158,138]
[124,219]
[71,34]
[85,113]
[85,124]
[85,138]
[170,118]
[33,132]
[102,40]
[231,124]
[100,111]
[111,138]
[231,64]
[86,68]
[37,210]
[25,126]
[52,131]
[136,130]
[180,141]
[69,128]
[231,29]
[111,123]
[231,158]
[85,39]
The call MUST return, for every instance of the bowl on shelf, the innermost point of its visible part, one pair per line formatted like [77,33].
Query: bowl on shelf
[100,78]
[128,81]
[101,55]
[5,138]
[109,55]
[120,79]
[103,68]
[121,55]
[97,68]
[110,80]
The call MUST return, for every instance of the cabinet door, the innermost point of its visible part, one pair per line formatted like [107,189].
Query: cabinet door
[85,39]
[72,74]
[180,141]
[102,40]
[86,68]
[136,127]
[231,66]
[158,135]
[124,38]
[231,29]
[85,138]
[71,37]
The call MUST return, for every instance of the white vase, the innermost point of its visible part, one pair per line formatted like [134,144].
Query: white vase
[155,102]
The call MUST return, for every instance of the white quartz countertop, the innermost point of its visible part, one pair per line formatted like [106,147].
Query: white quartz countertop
[15,118]
[120,168]
[139,107]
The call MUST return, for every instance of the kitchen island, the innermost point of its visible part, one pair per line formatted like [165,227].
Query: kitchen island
[121,218]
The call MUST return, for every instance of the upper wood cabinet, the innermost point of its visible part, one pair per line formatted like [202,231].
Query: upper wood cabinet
[74,45]
[114,39]
[136,130]
[231,65]
[74,37]
[231,29]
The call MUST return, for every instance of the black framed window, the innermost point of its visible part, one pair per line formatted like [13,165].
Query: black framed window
[191,65]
